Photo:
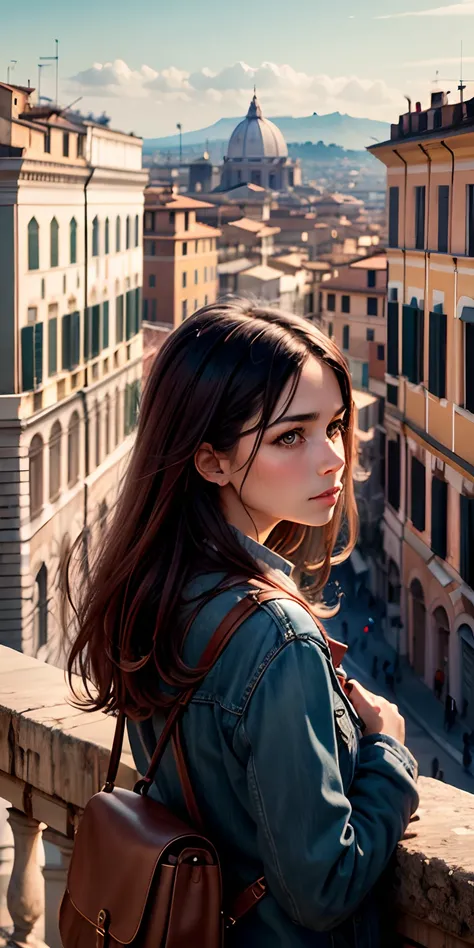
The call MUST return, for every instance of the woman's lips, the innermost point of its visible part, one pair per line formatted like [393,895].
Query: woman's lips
[328,496]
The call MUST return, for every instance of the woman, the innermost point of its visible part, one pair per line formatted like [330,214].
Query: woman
[244,457]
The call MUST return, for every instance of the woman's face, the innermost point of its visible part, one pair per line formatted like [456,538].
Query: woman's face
[296,474]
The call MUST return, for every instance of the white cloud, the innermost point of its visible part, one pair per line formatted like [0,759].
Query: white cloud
[465,8]
[281,89]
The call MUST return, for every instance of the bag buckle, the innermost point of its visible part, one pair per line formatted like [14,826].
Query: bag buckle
[102,926]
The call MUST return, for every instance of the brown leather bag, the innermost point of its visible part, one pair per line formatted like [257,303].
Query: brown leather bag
[140,876]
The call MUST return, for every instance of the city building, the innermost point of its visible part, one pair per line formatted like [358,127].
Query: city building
[71,204]
[247,236]
[258,154]
[352,306]
[429,513]
[180,258]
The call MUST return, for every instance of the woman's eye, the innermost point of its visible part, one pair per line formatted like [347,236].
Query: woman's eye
[336,428]
[290,438]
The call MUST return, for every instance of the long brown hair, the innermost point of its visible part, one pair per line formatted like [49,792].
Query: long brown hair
[226,364]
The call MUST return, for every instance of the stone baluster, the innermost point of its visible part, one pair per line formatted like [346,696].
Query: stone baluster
[25,896]
[58,851]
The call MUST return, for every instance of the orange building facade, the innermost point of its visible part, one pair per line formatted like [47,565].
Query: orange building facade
[429,514]
[180,258]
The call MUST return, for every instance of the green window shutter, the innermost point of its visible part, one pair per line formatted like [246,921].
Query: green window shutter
[437,355]
[33,245]
[95,340]
[66,341]
[73,241]
[443,217]
[105,324]
[38,351]
[75,339]
[392,338]
[119,319]
[439,510]
[54,246]
[467,540]
[393,215]
[413,344]
[129,317]
[393,473]
[87,343]
[418,494]
[52,346]
[27,359]
[138,307]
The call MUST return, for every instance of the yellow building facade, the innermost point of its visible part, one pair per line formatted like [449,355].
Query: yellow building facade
[429,512]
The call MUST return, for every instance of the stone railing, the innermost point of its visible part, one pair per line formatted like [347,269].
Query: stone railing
[54,757]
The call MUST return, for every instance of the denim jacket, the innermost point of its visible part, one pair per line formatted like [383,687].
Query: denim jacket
[287,786]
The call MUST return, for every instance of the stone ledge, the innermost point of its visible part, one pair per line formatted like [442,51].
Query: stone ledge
[54,757]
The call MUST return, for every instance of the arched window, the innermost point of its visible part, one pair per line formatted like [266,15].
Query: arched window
[73,450]
[107,236]
[117,417]
[55,461]
[127,233]
[441,644]
[137,230]
[36,475]
[73,240]
[41,608]
[54,244]
[97,433]
[33,244]
[107,426]
[95,237]
[118,227]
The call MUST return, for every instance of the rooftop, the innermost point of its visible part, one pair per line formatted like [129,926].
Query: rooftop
[163,198]
[254,227]
[264,273]
[234,266]
[441,118]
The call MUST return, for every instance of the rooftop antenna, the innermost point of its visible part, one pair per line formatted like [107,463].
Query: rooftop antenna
[180,129]
[461,87]
[40,67]
[54,59]
[10,68]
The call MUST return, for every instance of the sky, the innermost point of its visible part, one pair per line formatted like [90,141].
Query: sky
[149,65]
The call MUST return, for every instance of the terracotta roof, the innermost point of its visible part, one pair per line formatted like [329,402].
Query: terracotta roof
[198,230]
[175,202]
[12,88]
[378,262]
[355,280]
[317,265]
[254,227]
[264,273]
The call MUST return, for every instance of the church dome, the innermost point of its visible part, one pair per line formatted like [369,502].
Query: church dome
[256,137]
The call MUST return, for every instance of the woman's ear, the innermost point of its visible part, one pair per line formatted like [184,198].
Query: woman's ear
[211,466]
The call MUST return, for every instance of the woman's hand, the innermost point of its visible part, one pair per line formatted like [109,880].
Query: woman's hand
[378,714]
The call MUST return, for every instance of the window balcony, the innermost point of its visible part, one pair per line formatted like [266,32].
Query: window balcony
[53,758]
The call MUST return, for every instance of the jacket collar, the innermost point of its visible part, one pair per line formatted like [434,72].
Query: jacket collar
[263,554]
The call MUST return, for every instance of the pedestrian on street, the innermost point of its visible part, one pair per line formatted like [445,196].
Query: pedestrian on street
[440,775]
[375,666]
[466,754]
[389,675]
[438,683]
[450,712]
[434,767]
[345,631]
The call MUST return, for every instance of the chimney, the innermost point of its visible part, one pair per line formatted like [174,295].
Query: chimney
[438,99]
[418,107]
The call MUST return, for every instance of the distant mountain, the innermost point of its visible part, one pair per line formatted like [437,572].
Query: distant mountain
[333,128]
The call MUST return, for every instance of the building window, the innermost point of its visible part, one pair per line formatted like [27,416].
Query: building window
[80,146]
[47,141]
[372,306]
[184,309]
[54,243]
[345,337]
[392,394]
[131,406]
[184,279]
[330,330]
[95,237]
[95,333]
[331,302]
[97,433]
[413,344]
[392,338]
[41,608]
[150,248]
[36,475]
[107,236]
[418,494]
[33,244]
[380,353]
[196,304]
[145,310]
[186,220]
[153,311]
[117,417]
[393,472]
[393,215]
[73,450]
[171,218]
[370,334]
[127,233]
[73,240]
[55,461]
[107,425]
[119,327]
[31,357]
[466,567]
[439,512]
[52,346]
[437,355]
[206,300]
[65,144]
[443,217]
[345,304]
[420,213]
[71,333]
[105,324]
[470,220]
[152,280]
[205,274]
[371,278]
[137,230]
[118,226]
[196,277]
[185,248]
[149,221]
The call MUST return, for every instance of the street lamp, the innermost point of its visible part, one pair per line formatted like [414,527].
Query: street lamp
[10,68]
[54,59]
[180,129]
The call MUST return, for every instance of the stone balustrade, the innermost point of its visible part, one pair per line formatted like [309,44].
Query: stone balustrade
[53,757]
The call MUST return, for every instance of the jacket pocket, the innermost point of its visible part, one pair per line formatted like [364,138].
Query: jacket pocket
[345,729]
